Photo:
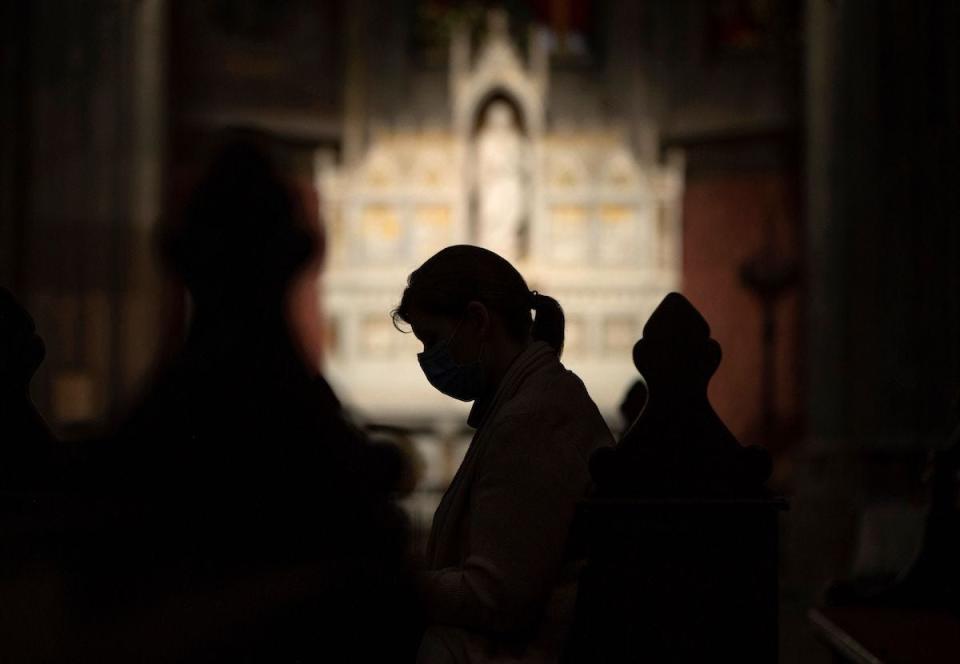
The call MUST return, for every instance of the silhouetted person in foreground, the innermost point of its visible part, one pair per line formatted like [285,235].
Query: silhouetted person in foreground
[253,522]
[501,579]
[29,456]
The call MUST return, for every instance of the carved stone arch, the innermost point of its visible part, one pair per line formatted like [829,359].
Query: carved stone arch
[527,111]
[497,69]
[520,114]
[480,116]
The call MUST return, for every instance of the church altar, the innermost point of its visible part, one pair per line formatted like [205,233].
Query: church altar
[569,204]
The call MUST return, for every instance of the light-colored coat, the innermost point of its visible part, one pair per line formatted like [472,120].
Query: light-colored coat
[502,583]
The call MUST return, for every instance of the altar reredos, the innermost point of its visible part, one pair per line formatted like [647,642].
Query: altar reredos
[594,226]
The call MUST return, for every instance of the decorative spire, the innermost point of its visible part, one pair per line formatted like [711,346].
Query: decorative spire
[498,24]
[678,447]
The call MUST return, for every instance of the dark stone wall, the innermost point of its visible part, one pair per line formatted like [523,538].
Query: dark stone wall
[71,168]
[882,367]
[729,217]
[14,126]
[891,237]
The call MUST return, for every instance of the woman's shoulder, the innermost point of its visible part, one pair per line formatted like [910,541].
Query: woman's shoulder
[551,399]
[557,385]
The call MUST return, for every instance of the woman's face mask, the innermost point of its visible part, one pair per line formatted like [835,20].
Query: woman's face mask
[460,381]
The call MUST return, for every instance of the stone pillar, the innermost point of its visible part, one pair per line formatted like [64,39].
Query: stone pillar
[823,260]
[883,246]
[14,128]
[140,315]
[355,100]
[882,164]
[92,167]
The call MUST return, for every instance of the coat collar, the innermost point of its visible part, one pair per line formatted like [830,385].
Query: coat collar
[536,356]
[529,359]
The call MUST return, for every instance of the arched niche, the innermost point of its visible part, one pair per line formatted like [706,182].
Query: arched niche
[487,100]
[474,103]
[497,70]
[500,188]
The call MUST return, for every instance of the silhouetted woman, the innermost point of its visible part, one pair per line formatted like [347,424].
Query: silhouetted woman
[501,584]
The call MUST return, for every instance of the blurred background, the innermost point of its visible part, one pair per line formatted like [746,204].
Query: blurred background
[789,165]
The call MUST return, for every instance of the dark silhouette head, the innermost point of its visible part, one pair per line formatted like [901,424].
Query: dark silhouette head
[21,349]
[242,235]
[457,276]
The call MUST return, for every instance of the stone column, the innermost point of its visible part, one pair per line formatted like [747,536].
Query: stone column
[823,260]
[883,246]
[92,169]
[355,100]
[882,203]
[14,128]
[140,316]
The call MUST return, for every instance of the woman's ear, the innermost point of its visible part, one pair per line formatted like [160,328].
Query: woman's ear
[479,317]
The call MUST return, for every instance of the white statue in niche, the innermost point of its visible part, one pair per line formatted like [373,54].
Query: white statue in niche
[500,181]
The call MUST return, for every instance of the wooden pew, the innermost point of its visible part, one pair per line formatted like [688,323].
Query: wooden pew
[916,617]
[680,534]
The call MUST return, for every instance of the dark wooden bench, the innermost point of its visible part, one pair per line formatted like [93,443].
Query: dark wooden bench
[680,536]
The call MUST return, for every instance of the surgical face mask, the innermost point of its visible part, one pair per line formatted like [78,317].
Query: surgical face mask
[460,381]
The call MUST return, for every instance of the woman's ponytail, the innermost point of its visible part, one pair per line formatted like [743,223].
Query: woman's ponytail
[548,322]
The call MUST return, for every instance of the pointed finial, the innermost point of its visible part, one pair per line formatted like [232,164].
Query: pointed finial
[498,23]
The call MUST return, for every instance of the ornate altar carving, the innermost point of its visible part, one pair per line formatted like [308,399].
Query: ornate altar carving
[582,218]
[500,175]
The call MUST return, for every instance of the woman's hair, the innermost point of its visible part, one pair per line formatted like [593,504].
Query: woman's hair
[457,275]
